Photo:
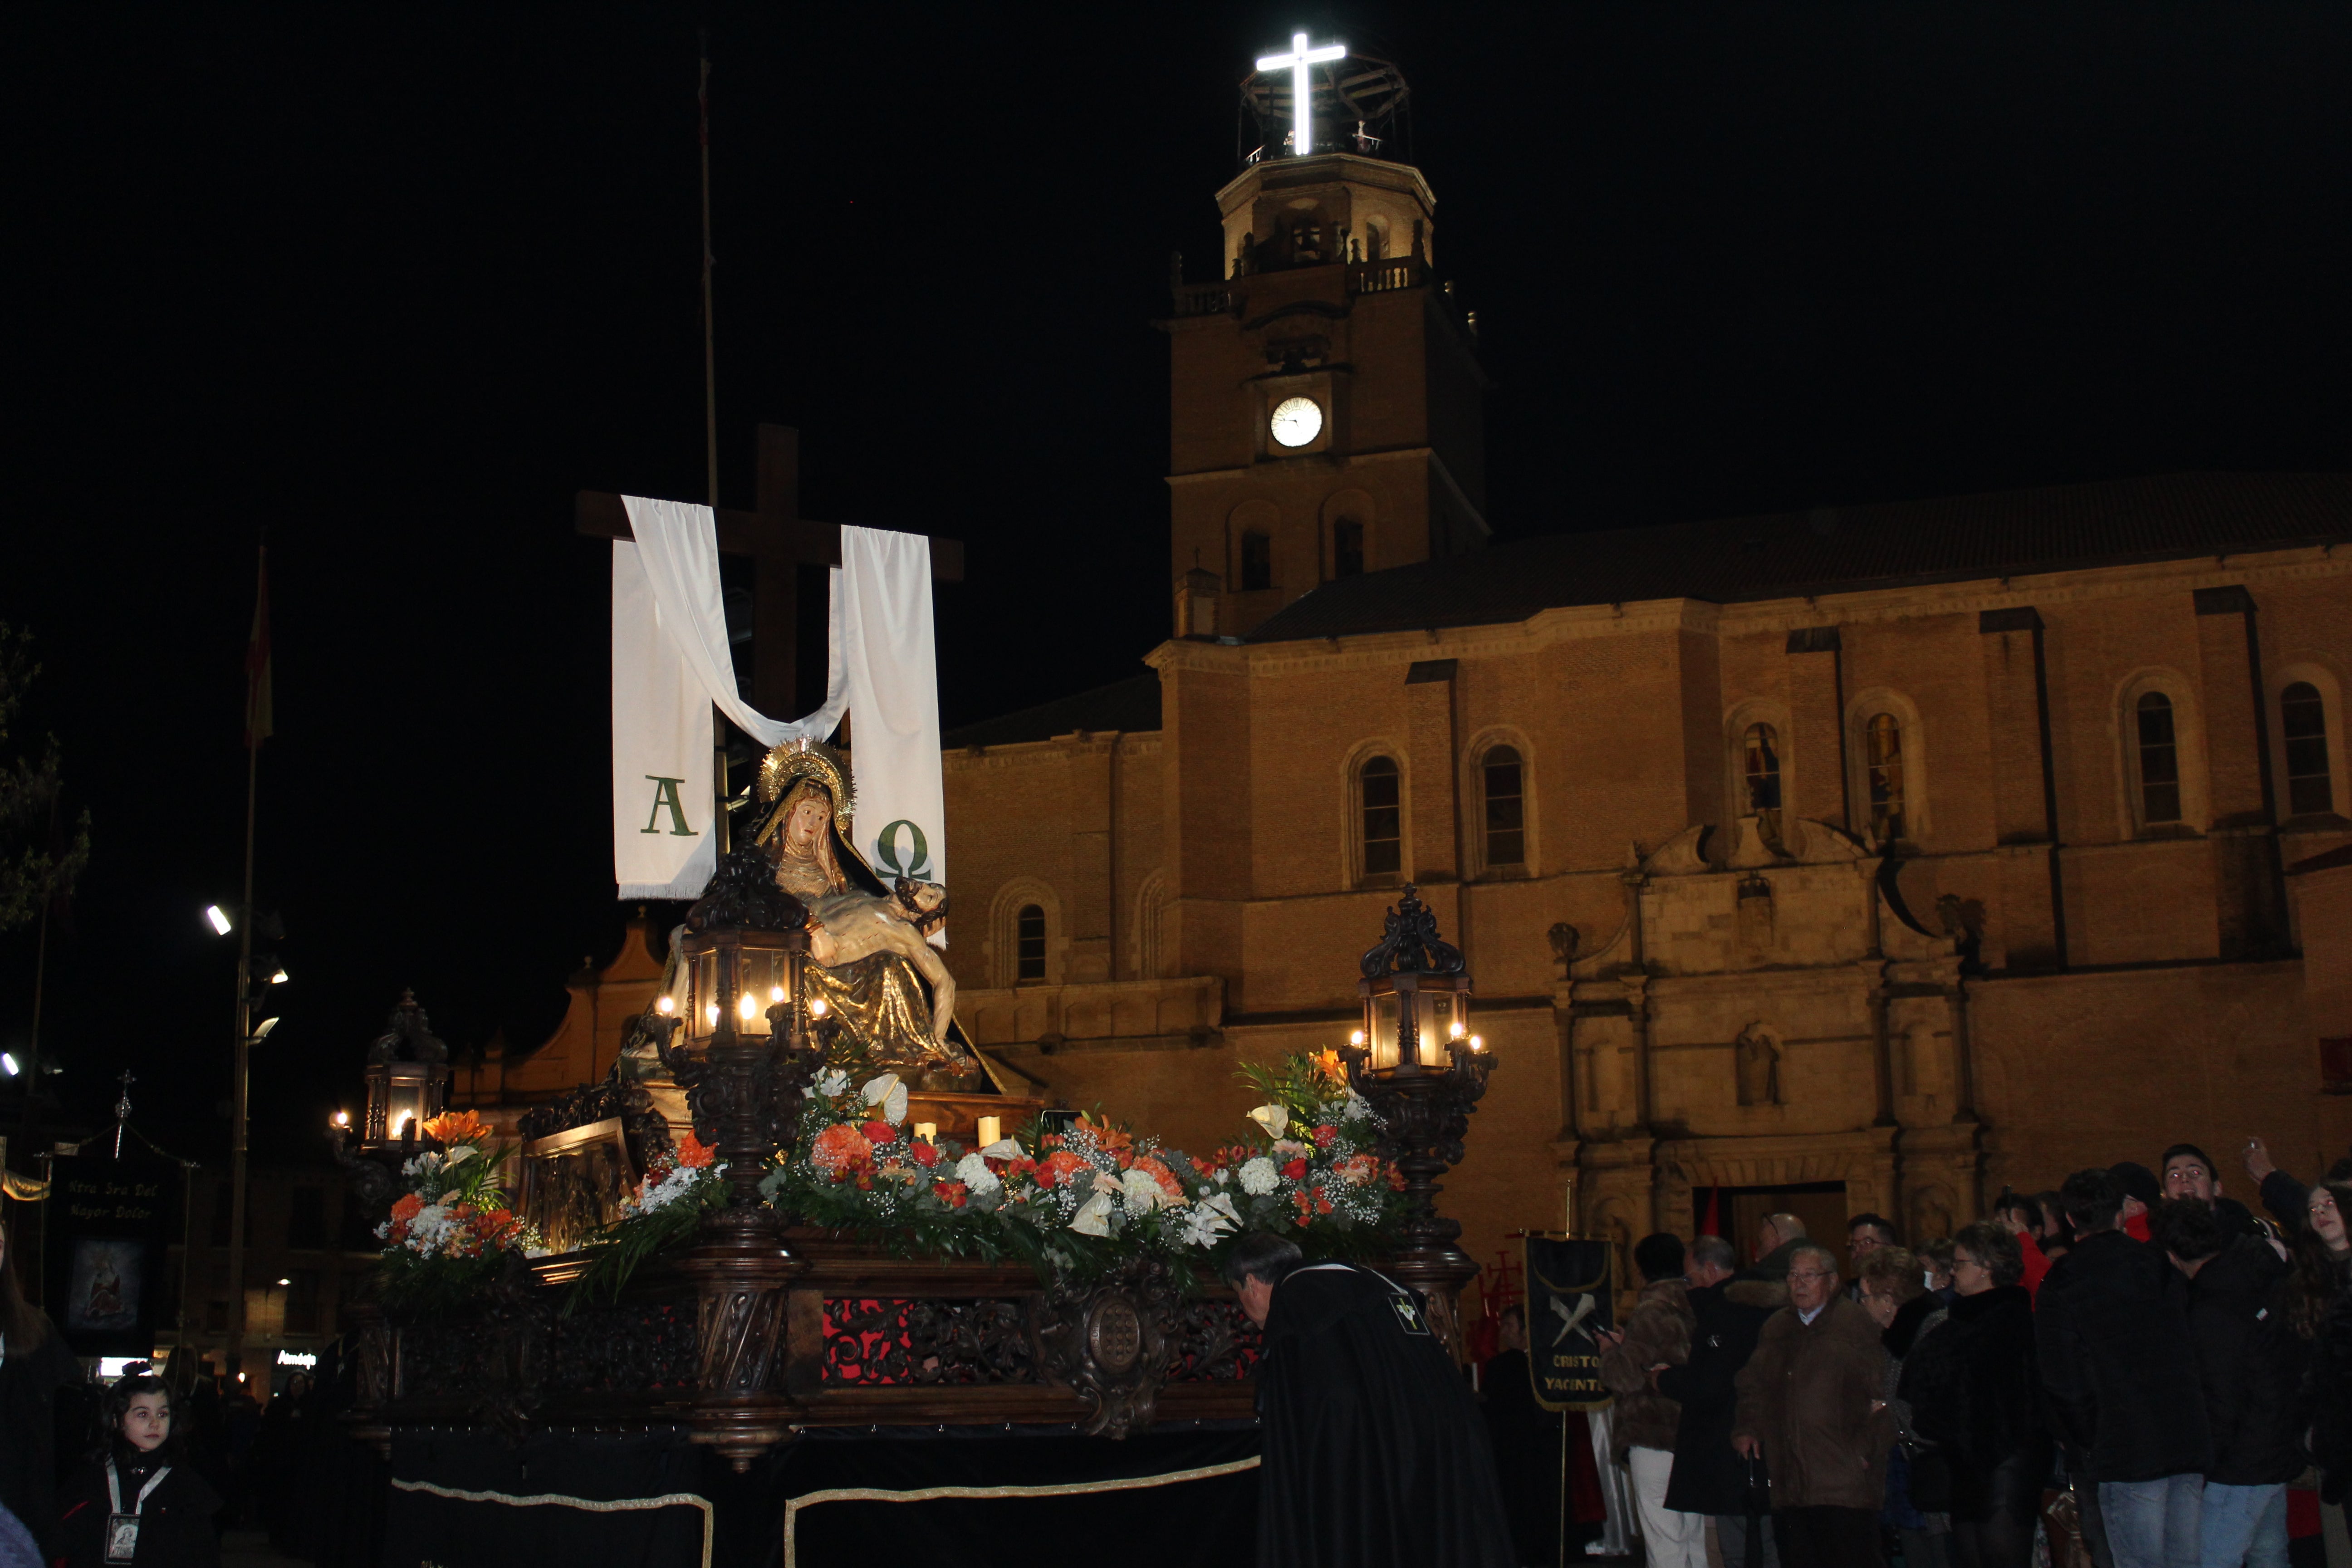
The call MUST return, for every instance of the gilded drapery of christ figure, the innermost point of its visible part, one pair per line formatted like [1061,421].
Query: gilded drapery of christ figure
[883,984]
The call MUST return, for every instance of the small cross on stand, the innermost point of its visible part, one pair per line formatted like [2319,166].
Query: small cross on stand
[122,1110]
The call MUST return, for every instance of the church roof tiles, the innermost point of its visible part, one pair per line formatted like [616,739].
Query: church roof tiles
[1837,549]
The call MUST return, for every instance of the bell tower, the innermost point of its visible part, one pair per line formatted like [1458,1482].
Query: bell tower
[1327,403]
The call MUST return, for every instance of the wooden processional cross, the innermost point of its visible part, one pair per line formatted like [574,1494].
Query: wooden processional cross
[780,541]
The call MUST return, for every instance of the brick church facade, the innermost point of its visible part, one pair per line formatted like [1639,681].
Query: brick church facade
[1865,858]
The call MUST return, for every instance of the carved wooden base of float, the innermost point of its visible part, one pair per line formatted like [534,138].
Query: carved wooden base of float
[744,1341]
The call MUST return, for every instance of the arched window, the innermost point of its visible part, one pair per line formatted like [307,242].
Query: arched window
[1346,548]
[1760,769]
[1883,760]
[1506,821]
[1379,806]
[1029,944]
[1257,561]
[2302,723]
[2159,761]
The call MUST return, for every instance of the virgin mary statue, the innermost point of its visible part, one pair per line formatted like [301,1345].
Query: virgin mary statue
[882,983]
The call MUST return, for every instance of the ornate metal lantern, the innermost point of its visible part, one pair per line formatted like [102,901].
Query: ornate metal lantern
[407,1079]
[1423,1072]
[738,1040]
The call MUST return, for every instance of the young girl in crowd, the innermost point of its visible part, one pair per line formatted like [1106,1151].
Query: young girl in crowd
[140,1505]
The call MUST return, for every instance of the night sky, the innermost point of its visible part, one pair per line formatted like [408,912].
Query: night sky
[394,283]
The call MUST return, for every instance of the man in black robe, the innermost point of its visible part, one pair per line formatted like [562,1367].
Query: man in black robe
[1374,1451]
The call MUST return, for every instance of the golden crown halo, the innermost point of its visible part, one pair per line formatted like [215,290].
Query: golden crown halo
[791,764]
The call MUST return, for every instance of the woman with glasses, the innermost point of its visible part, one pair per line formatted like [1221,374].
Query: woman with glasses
[1974,1391]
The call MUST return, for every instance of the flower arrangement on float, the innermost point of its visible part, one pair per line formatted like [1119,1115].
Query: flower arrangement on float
[451,1231]
[680,1185]
[1084,1198]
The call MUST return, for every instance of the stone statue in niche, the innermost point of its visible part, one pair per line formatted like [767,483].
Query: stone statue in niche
[1758,1056]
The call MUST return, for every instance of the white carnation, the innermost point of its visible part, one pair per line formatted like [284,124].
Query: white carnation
[1140,1192]
[1358,1108]
[1257,1176]
[973,1173]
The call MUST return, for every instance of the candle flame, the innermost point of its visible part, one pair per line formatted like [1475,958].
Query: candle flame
[748,1006]
[816,1009]
[776,993]
[1458,1030]
[664,1006]
[1356,1038]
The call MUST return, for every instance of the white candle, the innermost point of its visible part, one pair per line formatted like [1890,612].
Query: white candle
[989,1130]
[927,1130]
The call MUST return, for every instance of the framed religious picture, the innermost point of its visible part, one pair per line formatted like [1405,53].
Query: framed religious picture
[574,1181]
[1571,1299]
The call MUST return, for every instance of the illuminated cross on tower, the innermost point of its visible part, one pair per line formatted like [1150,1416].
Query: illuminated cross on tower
[1302,118]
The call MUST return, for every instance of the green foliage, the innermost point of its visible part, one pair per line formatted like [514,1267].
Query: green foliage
[40,857]
[616,1253]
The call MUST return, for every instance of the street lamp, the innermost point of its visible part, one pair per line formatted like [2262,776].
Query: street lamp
[221,923]
[1423,1072]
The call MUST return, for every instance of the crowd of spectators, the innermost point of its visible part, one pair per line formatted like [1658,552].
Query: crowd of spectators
[2133,1369]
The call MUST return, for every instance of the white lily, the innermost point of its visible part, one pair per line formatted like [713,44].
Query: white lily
[1004,1149]
[890,1094]
[463,1151]
[1093,1217]
[1272,1118]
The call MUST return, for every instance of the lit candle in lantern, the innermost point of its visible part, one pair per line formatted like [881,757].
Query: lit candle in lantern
[816,1008]
[664,1006]
[748,1005]
[927,1130]
[991,1129]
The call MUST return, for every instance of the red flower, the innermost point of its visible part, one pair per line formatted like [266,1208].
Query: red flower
[1322,1204]
[1020,1166]
[1060,1166]
[924,1155]
[951,1193]
[1396,1179]
[878,1133]
[839,1149]
[694,1153]
[1296,1169]
[1324,1135]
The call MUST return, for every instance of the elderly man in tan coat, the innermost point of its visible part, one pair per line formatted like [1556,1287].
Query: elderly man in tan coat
[1810,1400]
[1657,1335]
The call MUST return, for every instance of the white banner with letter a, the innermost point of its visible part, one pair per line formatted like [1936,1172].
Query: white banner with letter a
[890,662]
[662,798]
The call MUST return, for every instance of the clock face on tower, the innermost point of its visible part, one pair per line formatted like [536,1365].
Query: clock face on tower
[1296,421]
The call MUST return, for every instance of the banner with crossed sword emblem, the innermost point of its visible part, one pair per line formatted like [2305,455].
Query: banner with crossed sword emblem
[1571,1299]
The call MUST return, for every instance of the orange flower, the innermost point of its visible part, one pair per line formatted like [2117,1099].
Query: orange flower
[694,1153]
[951,1193]
[839,1149]
[1060,1166]
[454,1126]
[1357,1169]
[1161,1175]
[1327,1064]
[1107,1135]
[407,1208]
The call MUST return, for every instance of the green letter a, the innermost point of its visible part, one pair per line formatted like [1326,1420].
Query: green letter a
[666,794]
